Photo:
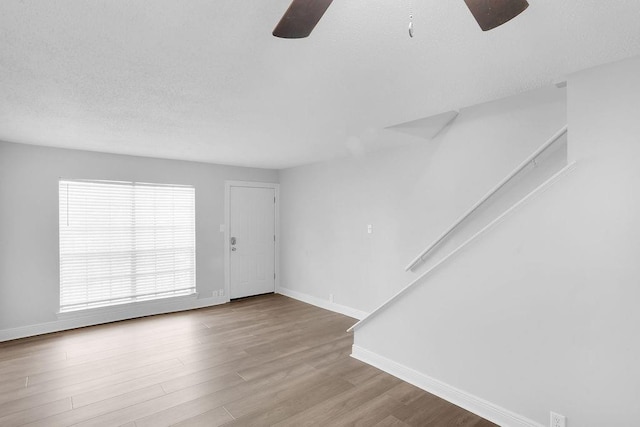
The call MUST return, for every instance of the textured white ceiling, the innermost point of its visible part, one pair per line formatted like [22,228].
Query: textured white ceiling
[204,80]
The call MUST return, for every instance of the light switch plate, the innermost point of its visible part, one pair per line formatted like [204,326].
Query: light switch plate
[558,420]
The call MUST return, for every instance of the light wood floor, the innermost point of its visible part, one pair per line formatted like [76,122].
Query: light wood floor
[267,360]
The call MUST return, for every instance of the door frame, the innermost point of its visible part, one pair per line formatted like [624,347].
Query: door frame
[227,248]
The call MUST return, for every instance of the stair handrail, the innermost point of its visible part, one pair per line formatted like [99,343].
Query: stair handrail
[491,192]
[569,167]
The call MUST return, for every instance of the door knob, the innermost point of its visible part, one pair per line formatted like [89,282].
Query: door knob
[233,240]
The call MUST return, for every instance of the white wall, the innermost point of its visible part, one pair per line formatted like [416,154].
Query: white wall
[542,313]
[409,195]
[29,270]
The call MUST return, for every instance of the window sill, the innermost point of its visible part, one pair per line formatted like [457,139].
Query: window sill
[125,307]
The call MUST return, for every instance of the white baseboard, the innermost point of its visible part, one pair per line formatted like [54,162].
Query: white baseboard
[318,302]
[471,403]
[78,320]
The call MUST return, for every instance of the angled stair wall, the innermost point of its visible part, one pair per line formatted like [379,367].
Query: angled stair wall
[539,314]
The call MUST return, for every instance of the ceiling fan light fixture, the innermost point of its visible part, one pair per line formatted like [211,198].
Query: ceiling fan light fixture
[492,13]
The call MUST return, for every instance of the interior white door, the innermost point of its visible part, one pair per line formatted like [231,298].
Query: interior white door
[252,241]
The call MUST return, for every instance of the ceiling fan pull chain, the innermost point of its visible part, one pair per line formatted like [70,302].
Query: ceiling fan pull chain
[410,20]
[410,25]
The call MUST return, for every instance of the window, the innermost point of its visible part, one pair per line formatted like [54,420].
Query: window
[122,242]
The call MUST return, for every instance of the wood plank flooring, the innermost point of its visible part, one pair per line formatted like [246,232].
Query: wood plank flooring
[262,361]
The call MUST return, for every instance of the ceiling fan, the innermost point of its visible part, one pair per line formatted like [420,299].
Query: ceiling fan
[302,15]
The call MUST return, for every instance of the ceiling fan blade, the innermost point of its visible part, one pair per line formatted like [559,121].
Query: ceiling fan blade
[301,18]
[493,13]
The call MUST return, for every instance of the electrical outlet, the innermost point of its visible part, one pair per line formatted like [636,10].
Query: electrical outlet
[558,420]
[331,298]
[221,292]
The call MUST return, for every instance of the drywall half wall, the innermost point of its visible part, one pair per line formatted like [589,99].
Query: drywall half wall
[29,252]
[409,195]
[540,314]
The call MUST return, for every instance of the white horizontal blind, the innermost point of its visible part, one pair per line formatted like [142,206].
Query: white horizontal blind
[122,242]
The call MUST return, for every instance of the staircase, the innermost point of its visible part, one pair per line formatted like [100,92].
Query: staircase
[399,336]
